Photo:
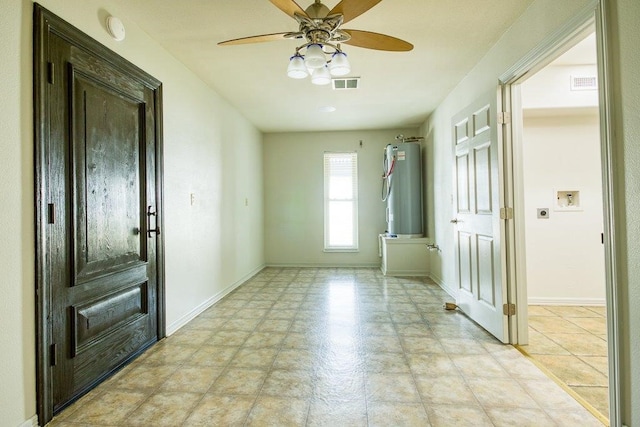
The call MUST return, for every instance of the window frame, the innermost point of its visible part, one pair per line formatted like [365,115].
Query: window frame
[353,157]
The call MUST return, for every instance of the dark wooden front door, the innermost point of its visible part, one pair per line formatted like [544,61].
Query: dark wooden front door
[99,203]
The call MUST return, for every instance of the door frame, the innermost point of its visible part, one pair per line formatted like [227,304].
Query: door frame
[44,23]
[593,14]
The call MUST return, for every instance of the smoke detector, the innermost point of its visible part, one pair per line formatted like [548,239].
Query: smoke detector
[115,27]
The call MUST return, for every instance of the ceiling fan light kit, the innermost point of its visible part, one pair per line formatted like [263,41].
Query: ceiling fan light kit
[297,69]
[314,63]
[321,76]
[320,27]
[315,56]
[339,65]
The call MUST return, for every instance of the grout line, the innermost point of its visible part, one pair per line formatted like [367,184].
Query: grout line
[565,387]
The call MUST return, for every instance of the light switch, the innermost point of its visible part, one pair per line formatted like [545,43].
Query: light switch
[192,198]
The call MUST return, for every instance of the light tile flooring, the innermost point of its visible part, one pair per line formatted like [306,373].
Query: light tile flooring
[571,342]
[334,347]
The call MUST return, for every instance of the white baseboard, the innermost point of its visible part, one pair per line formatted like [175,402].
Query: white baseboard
[567,301]
[406,273]
[31,422]
[438,280]
[595,302]
[175,326]
[312,265]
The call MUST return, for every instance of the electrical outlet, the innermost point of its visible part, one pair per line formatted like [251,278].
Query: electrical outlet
[192,198]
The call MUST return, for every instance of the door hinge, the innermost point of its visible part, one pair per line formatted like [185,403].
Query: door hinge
[50,72]
[506,213]
[509,309]
[53,359]
[504,117]
[51,213]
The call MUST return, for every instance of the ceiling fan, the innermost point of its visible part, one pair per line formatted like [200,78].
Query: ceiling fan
[320,28]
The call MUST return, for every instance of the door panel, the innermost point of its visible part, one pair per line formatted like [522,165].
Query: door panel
[477,215]
[107,307]
[465,262]
[486,276]
[483,191]
[94,319]
[108,181]
[98,144]
[463,192]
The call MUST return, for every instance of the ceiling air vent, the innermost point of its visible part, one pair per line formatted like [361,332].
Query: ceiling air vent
[346,83]
[584,82]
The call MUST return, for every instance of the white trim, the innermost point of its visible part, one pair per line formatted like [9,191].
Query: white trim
[552,46]
[405,273]
[609,188]
[438,281]
[333,168]
[315,265]
[31,422]
[175,326]
[515,255]
[592,302]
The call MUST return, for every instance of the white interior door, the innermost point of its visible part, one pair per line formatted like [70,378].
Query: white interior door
[477,223]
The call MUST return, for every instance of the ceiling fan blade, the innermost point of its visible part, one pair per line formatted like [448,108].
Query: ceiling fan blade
[256,39]
[290,7]
[350,9]
[377,41]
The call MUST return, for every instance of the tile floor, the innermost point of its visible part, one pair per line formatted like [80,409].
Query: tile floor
[571,342]
[334,347]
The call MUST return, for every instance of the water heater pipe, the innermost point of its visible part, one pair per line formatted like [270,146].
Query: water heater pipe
[386,175]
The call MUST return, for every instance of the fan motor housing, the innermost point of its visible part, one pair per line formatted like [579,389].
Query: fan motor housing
[317,11]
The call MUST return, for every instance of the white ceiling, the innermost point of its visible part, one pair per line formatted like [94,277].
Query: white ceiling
[397,89]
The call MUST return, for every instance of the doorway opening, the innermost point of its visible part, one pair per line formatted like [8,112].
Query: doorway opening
[561,199]
[583,24]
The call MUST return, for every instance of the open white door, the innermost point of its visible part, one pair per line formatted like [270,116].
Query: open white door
[477,223]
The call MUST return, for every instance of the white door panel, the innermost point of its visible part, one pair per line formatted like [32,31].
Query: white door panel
[481,291]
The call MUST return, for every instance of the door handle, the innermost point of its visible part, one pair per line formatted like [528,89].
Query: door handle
[150,230]
[455,221]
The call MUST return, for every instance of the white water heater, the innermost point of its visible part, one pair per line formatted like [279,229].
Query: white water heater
[402,188]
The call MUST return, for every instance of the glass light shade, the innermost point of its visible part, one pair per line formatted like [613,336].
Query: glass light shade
[339,65]
[321,76]
[314,57]
[296,68]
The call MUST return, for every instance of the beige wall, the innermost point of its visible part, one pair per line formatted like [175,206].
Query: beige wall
[293,176]
[17,327]
[210,150]
[565,257]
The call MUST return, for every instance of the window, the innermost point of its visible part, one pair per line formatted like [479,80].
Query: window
[340,202]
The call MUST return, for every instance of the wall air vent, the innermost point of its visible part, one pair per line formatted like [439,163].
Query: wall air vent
[584,83]
[346,83]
